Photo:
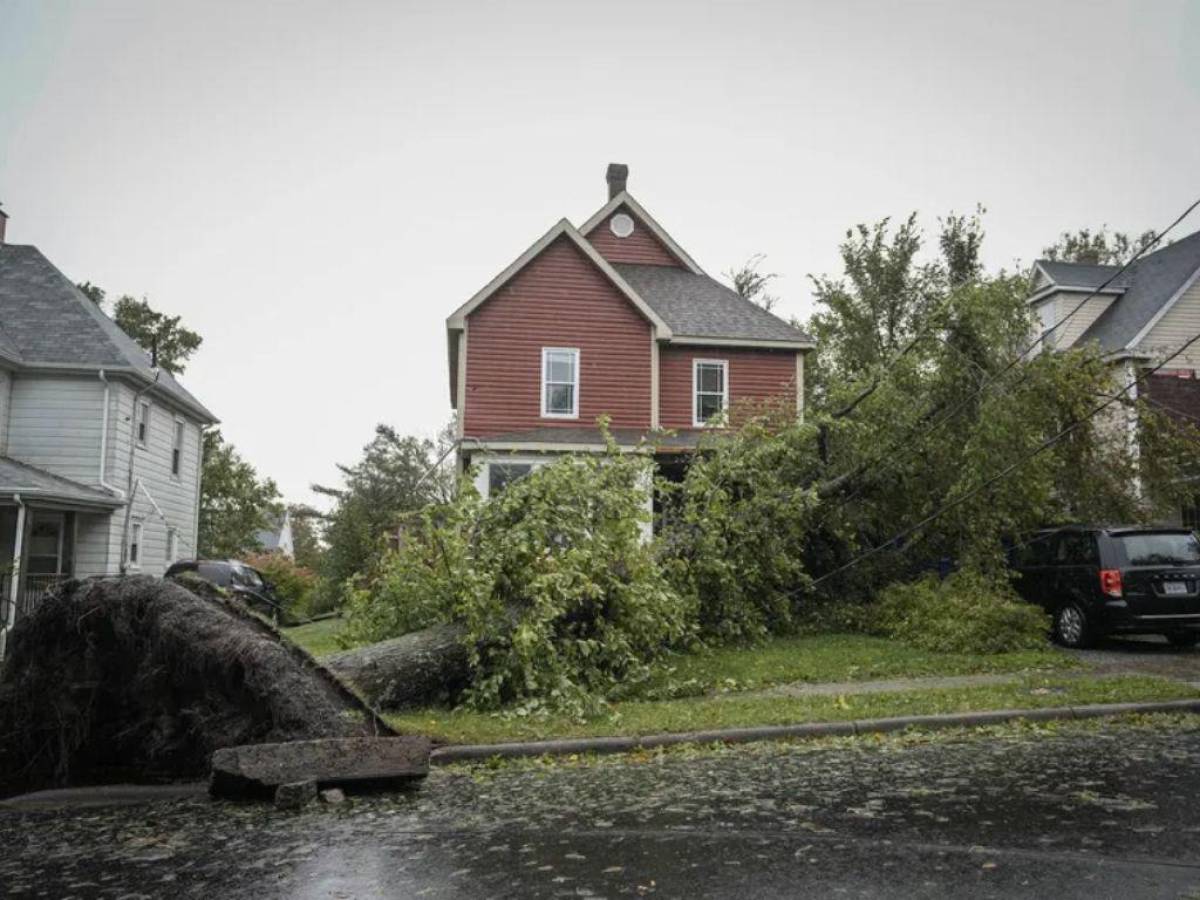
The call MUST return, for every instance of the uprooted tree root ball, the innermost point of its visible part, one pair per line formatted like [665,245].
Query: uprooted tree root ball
[140,678]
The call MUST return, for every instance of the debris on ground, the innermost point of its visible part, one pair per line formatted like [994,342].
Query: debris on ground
[141,679]
[260,770]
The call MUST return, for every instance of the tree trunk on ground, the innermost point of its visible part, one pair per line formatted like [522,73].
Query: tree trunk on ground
[415,669]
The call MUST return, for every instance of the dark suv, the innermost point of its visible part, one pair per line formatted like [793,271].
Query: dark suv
[1103,580]
[240,579]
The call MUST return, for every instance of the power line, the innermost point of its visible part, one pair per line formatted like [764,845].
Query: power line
[909,438]
[1045,445]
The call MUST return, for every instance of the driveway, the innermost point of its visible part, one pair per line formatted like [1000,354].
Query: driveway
[1142,655]
[1105,810]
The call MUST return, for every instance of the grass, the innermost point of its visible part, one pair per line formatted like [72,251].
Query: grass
[318,638]
[824,658]
[702,713]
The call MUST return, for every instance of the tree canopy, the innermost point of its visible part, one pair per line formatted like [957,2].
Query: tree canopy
[157,333]
[234,503]
[1097,246]
[395,475]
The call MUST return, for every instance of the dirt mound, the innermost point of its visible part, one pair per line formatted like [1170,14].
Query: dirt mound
[140,678]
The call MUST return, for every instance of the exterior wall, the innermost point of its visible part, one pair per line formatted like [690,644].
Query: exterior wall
[54,424]
[1174,329]
[1179,394]
[558,300]
[754,375]
[6,381]
[1091,310]
[176,496]
[92,531]
[640,247]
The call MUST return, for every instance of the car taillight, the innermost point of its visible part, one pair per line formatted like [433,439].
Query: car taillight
[1110,582]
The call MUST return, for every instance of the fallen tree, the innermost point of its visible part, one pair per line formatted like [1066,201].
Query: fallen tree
[416,669]
[140,678]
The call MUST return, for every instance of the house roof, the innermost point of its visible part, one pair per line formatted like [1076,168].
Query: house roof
[47,322]
[699,306]
[1081,275]
[1150,285]
[34,483]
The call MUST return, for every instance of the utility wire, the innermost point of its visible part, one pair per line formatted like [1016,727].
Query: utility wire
[911,437]
[1045,445]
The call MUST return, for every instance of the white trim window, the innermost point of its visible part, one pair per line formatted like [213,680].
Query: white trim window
[135,544]
[560,383]
[1048,319]
[143,424]
[172,545]
[177,449]
[710,391]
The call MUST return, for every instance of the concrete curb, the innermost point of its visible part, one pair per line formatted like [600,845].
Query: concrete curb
[454,753]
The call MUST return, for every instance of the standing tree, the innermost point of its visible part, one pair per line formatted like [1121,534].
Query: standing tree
[1099,247]
[93,292]
[157,332]
[395,475]
[307,549]
[234,501]
[153,331]
[751,284]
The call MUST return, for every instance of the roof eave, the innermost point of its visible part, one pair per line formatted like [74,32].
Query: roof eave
[761,343]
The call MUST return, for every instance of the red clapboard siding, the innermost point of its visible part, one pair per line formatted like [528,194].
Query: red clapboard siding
[559,299]
[640,247]
[1179,395]
[753,375]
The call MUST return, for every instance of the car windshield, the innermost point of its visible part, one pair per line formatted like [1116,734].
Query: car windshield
[1164,549]
[246,577]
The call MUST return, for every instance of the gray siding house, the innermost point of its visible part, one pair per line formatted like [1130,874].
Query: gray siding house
[99,451]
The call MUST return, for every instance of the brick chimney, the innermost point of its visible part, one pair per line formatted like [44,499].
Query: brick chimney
[3,224]
[617,175]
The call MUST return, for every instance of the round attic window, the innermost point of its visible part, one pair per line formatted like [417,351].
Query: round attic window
[621,225]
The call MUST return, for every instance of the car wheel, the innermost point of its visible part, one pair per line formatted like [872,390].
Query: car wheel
[1071,628]
[1184,638]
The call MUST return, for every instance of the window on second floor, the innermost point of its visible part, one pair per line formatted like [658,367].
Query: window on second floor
[135,544]
[560,382]
[143,423]
[710,382]
[177,448]
[1048,319]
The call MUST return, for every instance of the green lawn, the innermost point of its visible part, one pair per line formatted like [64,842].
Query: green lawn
[701,713]
[823,658]
[318,638]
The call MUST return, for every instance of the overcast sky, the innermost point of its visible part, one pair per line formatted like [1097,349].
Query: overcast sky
[314,187]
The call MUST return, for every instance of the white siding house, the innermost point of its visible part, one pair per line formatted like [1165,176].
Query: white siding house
[1140,318]
[100,453]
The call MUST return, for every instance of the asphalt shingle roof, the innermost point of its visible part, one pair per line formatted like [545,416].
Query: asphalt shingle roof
[1084,275]
[20,478]
[1148,284]
[46,320]
[699,306]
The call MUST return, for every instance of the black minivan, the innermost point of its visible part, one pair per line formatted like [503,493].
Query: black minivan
[240,579]
[1098,580]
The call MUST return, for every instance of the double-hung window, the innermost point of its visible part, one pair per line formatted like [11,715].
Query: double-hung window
[143,423]
[710,389]
[135,544]
[177,448]
[560,383]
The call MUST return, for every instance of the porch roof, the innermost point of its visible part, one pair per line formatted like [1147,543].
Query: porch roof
[33,483]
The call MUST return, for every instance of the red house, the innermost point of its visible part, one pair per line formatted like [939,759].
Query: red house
[611,318]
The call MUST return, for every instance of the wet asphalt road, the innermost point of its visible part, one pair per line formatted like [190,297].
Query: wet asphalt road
[1103,811]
